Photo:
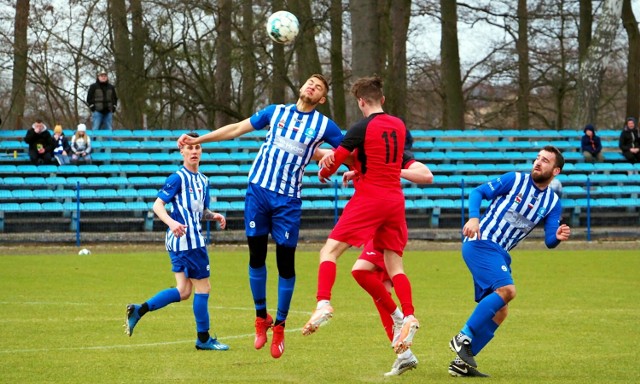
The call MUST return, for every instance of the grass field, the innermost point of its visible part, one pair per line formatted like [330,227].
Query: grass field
[574,321]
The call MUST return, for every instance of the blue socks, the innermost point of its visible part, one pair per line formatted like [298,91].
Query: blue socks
[480,327]
[163,298]
[201,311]
[285,293]
[258,284]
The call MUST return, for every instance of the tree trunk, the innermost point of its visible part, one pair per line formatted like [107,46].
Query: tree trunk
[247,98]
[223,62]
[633,61]
[279,78]
[450,67]
[585,28]
[337,69]
[20,50]
[138,76]
[592,68]
[396,83]
[306,48]
[522,47]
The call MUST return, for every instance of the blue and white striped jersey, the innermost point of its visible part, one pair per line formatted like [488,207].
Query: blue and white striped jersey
[289,145]
[188,194]
[517,206]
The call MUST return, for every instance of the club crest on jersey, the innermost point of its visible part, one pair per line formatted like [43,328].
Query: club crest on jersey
[281,123]
[519,198]
[542,212]
[310,132]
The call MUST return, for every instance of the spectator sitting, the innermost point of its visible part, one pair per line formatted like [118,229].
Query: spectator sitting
[629,142]
[40,143]
[81,146]
[62,148]
[591,145]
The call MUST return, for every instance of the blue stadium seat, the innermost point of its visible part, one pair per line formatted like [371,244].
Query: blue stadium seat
[86,168]
[117,181]
[9,207]
[51,206]
[115,206]
[161,157]
[208,168]
[136,206]
[167,169]
[27,168]
[582,167]
[13,180]
[43,194]
[70,169]
[238,180]
[86,193]
[97,206]
[107,193]
[220,206]
[72,206]
[97,180]
[72,181]
[64,194]
[149,168]
[147,193]
[8,169]
[22,194]
[47,168]
[138,180]
[323,204]
[127,193]
[5,194]
[30,207]
[231,193]
[120,157]
[157,181]
[129,168]
[236,206]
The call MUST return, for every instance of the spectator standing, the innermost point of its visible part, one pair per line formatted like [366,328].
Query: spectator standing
[103,101]
[62,147]
[81,146]
[40,142]
[630,141]
[591,145]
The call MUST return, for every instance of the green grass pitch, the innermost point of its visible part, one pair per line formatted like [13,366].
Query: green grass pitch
[574,320]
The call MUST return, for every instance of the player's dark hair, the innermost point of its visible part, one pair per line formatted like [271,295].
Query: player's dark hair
[193,134]
[368,88]
[555,151]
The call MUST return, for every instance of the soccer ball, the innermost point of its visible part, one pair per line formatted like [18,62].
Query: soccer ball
[84,251]
[283,27]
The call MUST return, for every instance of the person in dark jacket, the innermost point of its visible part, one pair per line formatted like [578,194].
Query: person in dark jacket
[103,101]
[630,141]
[591,145]
[40,142]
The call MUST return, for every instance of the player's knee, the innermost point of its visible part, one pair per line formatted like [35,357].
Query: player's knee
[507,293]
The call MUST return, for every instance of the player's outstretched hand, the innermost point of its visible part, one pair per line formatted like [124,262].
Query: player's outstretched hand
[563,232]
[178,229]
[348,176]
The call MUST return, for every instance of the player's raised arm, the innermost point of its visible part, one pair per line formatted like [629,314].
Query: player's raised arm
[228,132]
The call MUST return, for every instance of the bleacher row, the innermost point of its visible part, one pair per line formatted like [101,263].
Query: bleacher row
[129,166]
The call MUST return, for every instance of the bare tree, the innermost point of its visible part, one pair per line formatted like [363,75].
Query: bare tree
[247,97]
[633,61]
[20,50]
[223,61]
[522,47]
[337,67]
[396,88]
[450,67]
[591,71]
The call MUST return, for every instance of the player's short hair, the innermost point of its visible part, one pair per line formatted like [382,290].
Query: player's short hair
[193,134]
[368,88]
[324,81]
[559,157]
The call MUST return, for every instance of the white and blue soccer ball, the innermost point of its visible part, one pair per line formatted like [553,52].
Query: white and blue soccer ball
[84,252]
[283,27]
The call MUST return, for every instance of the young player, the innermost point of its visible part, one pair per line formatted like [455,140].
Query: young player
[519,202]
[273,205]
[377,143]
[188,192]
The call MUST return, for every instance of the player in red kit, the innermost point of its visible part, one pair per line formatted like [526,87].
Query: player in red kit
[377,147]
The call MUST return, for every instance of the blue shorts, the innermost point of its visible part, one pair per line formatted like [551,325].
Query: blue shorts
[489,264]
[194,263]
[267,212]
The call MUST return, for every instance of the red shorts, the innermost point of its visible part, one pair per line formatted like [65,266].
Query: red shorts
[365,218]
